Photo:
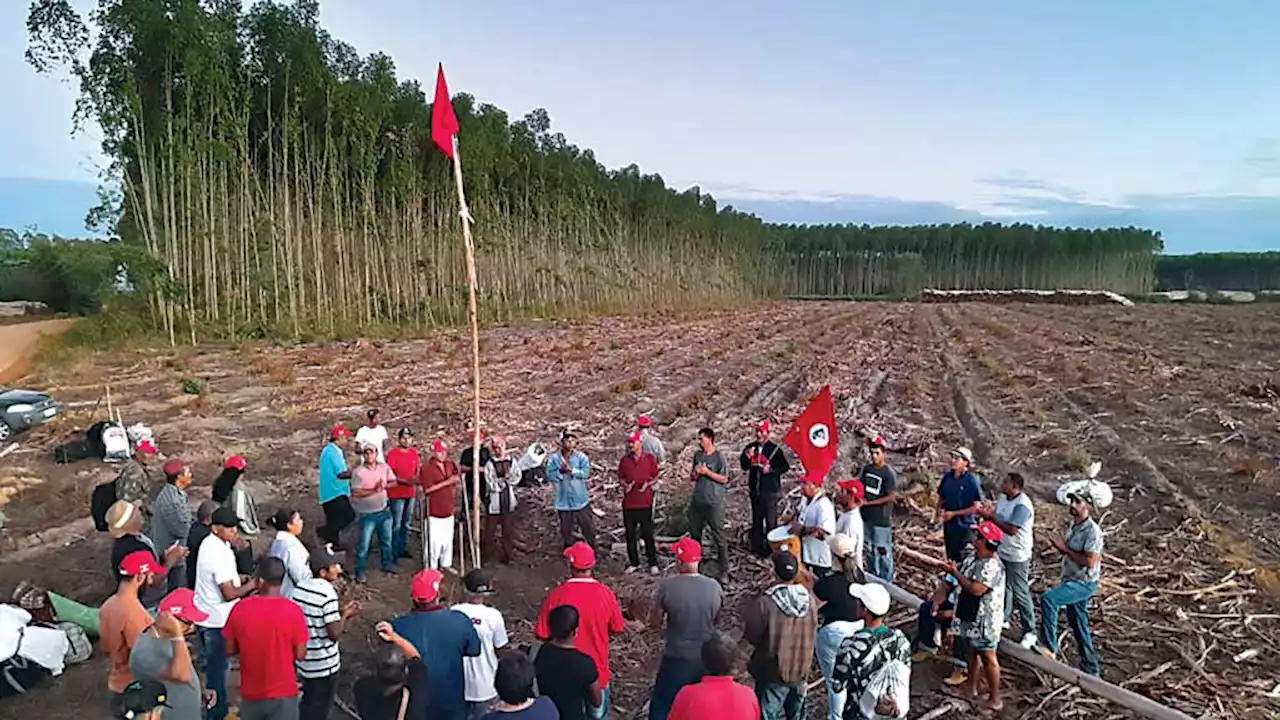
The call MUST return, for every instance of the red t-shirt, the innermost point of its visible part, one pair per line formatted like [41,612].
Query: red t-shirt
[637,472]
[716,696]
[599,616]
[266,631]
[441,503]
[404,463]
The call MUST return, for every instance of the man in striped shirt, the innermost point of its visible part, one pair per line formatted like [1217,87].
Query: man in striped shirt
[319,602]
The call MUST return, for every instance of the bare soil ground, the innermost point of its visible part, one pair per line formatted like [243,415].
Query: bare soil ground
[1177,401]
[19,341]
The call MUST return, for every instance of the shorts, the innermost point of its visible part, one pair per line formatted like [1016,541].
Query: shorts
[979,641]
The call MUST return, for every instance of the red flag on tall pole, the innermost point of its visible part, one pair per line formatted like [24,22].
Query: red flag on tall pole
[444,123]
[813,436]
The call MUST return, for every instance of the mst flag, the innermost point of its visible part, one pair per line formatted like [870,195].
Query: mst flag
[444,123]
[814,437]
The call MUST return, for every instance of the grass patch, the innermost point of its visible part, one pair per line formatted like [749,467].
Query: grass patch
[1075,459]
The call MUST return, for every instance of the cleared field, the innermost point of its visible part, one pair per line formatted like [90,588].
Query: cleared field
[1177,401]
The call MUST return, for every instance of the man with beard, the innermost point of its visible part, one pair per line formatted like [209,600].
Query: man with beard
[765,464]
[1081,572]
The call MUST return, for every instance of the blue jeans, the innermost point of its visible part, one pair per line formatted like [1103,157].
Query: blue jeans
[601,712]
[369,523]
[215,665]
[878,542]
[1074,595]
[401,511]
[673,674]
[780,702]
[825,648]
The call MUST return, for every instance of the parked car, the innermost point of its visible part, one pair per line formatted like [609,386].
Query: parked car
[24,409]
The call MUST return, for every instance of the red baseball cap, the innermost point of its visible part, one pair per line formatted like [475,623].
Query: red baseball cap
[580,556]
[181,603]
[764,425]
[812,479]
[877,442]
[174,467]
[644,421]
[991,532]
[137,563]
[687,550]
[854,486]
[146,446]
[339,432]
[439,446]
[635,437]
[236,462]
[426,585]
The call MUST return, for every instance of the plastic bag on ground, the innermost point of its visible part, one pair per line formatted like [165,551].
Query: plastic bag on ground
[1099,490]
[115,442]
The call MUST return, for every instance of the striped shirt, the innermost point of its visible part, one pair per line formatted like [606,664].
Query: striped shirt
[319,603]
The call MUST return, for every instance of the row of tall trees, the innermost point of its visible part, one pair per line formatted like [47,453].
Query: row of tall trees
[862,259]
[1219,271]
[69,275]
[285,184]
[272,181]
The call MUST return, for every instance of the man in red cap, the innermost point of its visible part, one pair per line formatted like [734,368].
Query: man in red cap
[638,473]
[599,614]
[139,480]
[689,602]
[171,517]
[880,484]
[161,654]
[439,476]
[849,519]
[980,609]
[442,637]
[650,443]
[765,464]
[122,617]
[335,487]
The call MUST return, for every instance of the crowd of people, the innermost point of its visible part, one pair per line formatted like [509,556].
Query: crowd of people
[191,599]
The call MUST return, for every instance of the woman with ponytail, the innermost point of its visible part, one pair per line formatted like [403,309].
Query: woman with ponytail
[289,548]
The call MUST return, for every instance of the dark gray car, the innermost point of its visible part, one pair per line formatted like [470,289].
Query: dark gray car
[24,409]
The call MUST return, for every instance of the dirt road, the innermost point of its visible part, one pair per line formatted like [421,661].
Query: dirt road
[19,343]
[1177,402]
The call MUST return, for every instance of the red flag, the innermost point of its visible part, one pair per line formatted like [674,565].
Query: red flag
[814,437]
[444,123]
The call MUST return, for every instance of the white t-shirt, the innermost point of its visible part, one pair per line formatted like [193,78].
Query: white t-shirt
[818,512]
[215,565]
[294,555]
[375,436]
[480,670]
[850,524]
[1021,512]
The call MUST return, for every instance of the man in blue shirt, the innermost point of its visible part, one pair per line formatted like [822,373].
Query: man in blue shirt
[959,502]
[443,637]
[568,471]
[335,486]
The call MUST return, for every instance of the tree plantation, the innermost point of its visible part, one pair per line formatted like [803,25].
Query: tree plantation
[278,183]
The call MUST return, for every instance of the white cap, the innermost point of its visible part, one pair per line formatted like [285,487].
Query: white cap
[842,545]
[963,453]
[874,597]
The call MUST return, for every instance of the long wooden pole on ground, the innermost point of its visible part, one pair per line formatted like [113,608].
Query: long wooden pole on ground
[475,356]
[1142,705]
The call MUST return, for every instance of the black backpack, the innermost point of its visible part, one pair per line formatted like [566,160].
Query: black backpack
[104,496]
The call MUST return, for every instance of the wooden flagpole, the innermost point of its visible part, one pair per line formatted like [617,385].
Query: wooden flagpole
[465,214]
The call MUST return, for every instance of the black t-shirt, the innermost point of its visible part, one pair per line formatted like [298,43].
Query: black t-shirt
[541,709]
[124,545]
[373,703]
[565,675]
[464,460]
[840,605]
[878,482]
[199,531]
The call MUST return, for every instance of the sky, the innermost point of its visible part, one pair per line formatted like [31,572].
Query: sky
[1083,112]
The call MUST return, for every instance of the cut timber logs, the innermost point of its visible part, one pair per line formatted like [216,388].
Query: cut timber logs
[1056,297]
[1143,706]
